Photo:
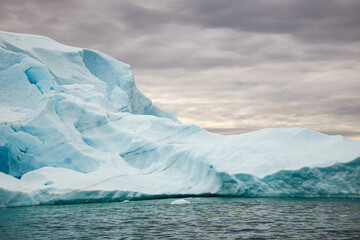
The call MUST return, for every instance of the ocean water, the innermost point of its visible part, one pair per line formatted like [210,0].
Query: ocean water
[204,218]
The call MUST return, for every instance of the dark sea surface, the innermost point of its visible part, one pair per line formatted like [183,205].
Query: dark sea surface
[204,218]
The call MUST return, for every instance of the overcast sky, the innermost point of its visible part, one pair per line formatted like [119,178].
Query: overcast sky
[229,66]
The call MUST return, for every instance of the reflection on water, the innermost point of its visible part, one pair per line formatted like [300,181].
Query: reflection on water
[204,218]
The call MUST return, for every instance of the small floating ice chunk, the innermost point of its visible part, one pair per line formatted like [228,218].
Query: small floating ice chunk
[180,201]
[126,201]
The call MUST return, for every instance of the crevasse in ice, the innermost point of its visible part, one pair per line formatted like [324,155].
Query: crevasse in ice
[75,128]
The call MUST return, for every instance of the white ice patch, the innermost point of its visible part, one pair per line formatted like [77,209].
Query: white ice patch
[180,201]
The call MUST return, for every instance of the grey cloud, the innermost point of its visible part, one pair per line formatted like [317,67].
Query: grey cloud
[343,133]
[322,20]
[142,18]
[178,36]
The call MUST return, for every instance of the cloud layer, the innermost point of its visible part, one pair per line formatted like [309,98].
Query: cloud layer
[229,66]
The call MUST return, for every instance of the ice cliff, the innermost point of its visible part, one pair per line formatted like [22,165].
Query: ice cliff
[75,128]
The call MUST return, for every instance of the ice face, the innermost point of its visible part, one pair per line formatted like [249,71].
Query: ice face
[75,128]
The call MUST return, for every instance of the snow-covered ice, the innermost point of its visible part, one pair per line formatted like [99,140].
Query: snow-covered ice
[75,128]
[180,202]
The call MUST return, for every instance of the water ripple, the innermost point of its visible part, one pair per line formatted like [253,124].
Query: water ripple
[204,218]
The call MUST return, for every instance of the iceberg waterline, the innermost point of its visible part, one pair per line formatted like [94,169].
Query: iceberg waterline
[75,128]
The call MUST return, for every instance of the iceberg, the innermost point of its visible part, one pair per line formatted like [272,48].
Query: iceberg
[75,128]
